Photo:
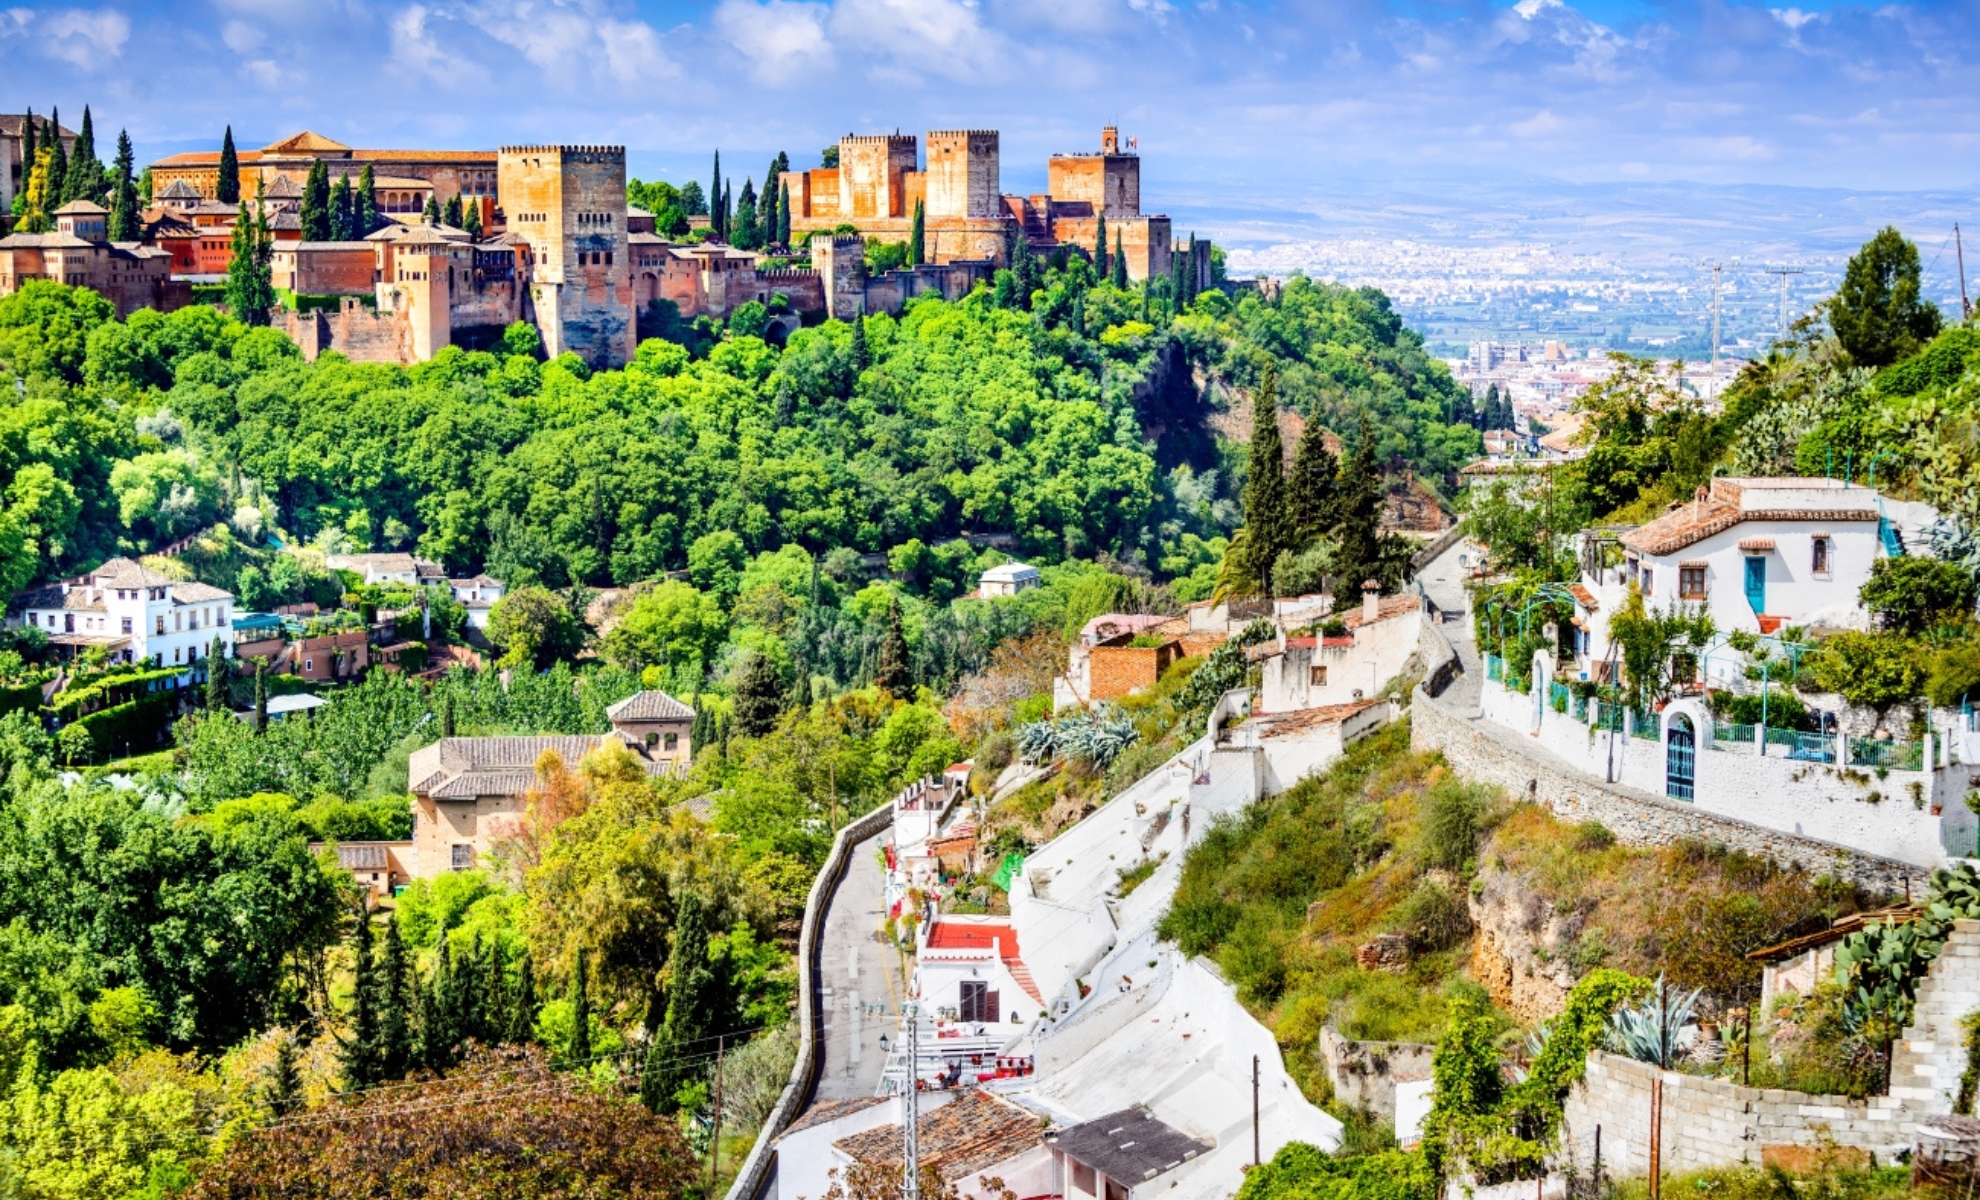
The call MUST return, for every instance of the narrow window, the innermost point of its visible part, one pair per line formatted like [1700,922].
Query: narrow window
[1821,563]
[1691,583]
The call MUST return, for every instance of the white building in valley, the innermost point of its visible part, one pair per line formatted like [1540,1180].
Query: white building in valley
[137,615]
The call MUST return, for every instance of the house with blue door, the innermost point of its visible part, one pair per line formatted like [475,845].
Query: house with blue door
[1759,555]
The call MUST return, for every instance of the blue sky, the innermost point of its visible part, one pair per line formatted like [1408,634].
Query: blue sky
[1230,97]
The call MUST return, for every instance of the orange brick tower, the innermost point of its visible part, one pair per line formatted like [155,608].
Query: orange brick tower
[569,204]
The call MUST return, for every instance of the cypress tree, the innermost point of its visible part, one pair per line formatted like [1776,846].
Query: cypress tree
[578,1053]
[894,673]
[447,714]
[701,732]
[58,169]
[228,189]
[471,218]
[469,993]
[916,249]
[1360,507]
[1462,412]
[396,1027]
[431,213]
[767,205]
[1100,248]
[728,212]
[746,226]
[522,1007]
[216,676]
[1119,264]
[439,1030]
[1312,486]
[284,1091]
[29,156]
[696,999]
[316,203]
[250,278]
[85,178]
[359,1054]
[759,696]
[1267,522]
[33,201]
[450,213]
[784,215]
[368,221]
[260,698]
[715,222]
[494,976]
[126,225]
[862,354]
[342,211]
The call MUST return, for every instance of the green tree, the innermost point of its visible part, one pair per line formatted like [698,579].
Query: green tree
[1268,520]
[471,218]
[227,189]
[398,1031]
[697,1004]
[250,276]
[522,1006]
[368,220]
[759,696]
[283,1093]
[431,213]
[693,202]
[916,237]
[36,199]
[783,215]
[578,1053]
[1909,594]
[30,155]
[1118,264]
[1100,270]
[450,212]
[861,354]
[894,672]
[315,213]
[1360,506]
[58,169]
[675,626]
[126,225]
[1875,670]
[343,211]
[216,676]
[360,1052]
[1879,314]
[1311,488]
[716,224]
[260,697]
[533,627]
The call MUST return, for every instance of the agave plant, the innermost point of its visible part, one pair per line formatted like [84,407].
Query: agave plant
[1658,1029]
[1038,741]
[1096,737]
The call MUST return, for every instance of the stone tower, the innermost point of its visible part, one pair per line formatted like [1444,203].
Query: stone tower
[962,174]
[841,266]
[872,173]
[425,268]
[1110,181]
[569,204]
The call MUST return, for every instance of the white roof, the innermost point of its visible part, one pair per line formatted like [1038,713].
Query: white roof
[1010,572]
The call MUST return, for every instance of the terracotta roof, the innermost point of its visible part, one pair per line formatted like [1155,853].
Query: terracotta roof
[179,189]
[1584,597]
[1276,725]
[304,143]
[487,156]
[1756,543]
[1697,520]
[982,935]
[1391,606]
[464,768]
[825,1111]
[44,241]
[971,1133]
[649,706]
[85,207]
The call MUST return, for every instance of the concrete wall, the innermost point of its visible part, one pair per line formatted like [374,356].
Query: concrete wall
[1483,751]
[1365,1074]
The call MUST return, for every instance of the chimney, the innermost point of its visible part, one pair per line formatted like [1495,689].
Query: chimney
[1371,602]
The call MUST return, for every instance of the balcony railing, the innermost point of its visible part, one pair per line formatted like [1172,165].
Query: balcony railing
[1889,756]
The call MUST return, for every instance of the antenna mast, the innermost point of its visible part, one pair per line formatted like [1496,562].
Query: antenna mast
[1959,251]
[1716,268]
[1783,272]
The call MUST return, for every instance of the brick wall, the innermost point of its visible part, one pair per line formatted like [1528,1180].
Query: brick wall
[1481,751]
[358,333]
[1119,670]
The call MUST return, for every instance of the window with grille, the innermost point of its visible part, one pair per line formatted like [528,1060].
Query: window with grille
[1691,583]
[463,856]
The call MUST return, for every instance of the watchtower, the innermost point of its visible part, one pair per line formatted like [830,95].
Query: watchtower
[871,171]
[963,177]
[569,204]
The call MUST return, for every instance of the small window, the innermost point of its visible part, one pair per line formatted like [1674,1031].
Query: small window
[1691,583]
[1319,677]
[463,856]
[309,664]
[1648,581]
[159,623]
[1821,556]
[673,742]
[127,624]
[652,740]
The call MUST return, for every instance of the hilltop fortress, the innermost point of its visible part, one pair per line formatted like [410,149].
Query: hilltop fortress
[558,246]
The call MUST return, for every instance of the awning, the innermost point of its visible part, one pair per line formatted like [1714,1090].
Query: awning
[1757,544]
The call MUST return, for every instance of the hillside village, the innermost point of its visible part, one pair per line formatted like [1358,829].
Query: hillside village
[949,700]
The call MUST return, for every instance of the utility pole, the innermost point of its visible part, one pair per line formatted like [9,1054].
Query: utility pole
[715,1138]
[1959,252]
[1783,272]
[911,1108]
[1254,1111]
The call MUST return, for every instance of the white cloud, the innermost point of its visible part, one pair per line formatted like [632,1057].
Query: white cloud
[263,71]
[80,36]
[570,40]
[781,38]
[416,51]
[921,37]
[241,37]
[1795,20]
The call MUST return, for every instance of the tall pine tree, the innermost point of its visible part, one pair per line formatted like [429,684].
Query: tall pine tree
[227,189]
[862,354]
[316,203]
[397,1023]
[784,215]
[1100,248]
[1312,486]
[439,1010]
[359,1054]
[577,1054]
[216,676]
[343,211]
[126,225]
[260,698]
[747,235]
[431,213]
[85,179]
[30,158]
[1360,508]
[450,213]
[1119,264]
[916,237]
[34,201]
[1268,520]
[471,218]
[895,672]
[697,1002]
[759,697]
[283,1093]
[522,1006]
[715,222]
[58,167]
[250,276]
[368,220]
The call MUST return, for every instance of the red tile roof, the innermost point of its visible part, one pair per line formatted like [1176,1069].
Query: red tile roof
[1584,597]
[971,1133]
[973,935]
[1391,606]
[1697,520]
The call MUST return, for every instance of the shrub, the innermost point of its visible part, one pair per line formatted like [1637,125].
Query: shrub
[1453,821]
[1908,594]
[1433,916]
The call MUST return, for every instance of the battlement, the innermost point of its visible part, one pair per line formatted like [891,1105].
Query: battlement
[961,133]
[787,274]
[593,151]
[889,140]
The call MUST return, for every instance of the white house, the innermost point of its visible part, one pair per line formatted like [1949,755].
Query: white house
[478,595]
[1373,646]
[1008,580]
[386,568]
[135,614]
[1757,554]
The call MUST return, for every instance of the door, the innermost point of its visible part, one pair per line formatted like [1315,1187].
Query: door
[1680,759]
[1756,584]
[971,1008]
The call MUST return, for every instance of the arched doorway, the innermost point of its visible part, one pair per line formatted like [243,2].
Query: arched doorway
[1680,758]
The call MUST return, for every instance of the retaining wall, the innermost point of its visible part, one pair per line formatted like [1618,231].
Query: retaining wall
[757,1168]
[1365,1074]
[1479,750]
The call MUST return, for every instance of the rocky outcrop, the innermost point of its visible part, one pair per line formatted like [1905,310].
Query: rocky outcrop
[1520,950]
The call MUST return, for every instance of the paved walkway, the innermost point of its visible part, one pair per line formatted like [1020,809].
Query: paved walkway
[859,977]
[1443,581]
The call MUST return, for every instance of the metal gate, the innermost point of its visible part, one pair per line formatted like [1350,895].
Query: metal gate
[1680,759]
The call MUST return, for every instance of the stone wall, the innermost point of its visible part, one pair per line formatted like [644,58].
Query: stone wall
[358,333]
[963,174]
[1482,751]
[1365,1074]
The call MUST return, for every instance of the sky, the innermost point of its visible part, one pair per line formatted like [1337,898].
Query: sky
[1251,102]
